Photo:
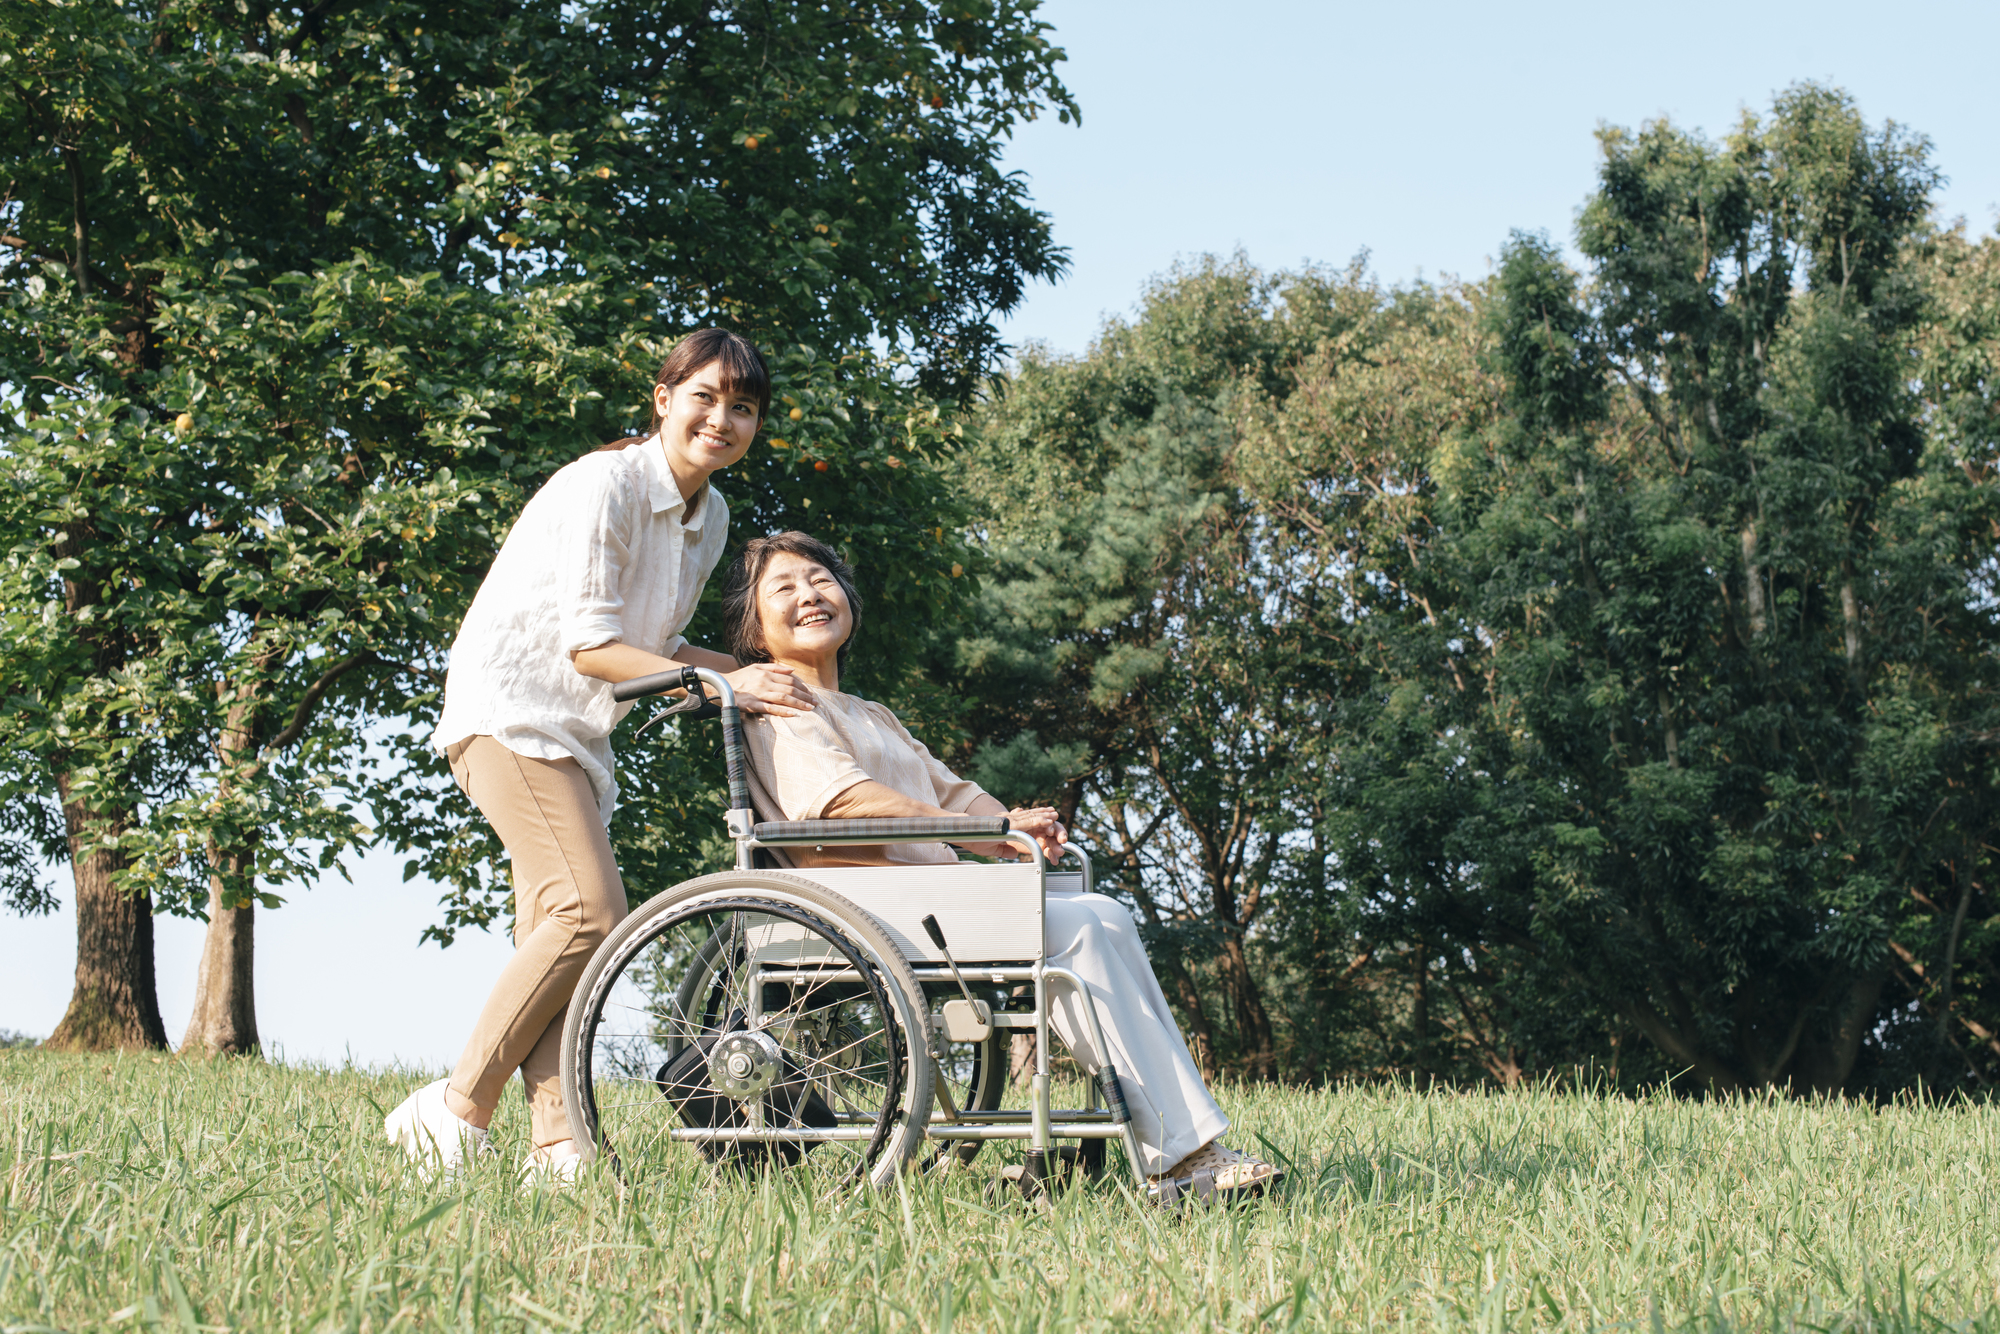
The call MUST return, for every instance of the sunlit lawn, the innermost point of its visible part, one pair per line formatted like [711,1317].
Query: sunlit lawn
[151,1192]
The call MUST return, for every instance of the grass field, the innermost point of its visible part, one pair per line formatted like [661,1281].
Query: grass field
[146,1192]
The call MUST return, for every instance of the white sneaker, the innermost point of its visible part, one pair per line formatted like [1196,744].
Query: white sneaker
[552,1167]
[437,1139]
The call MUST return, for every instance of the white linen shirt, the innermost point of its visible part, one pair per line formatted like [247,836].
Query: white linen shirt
[599,554]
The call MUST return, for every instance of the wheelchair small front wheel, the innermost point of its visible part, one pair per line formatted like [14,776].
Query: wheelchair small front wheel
[756,1018]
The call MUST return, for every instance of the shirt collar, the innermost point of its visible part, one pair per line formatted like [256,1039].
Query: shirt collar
[662,491]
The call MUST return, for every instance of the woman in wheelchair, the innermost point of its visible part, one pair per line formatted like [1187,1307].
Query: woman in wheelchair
[790,601]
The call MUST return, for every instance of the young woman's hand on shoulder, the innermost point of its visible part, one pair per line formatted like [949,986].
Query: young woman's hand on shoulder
[767,687]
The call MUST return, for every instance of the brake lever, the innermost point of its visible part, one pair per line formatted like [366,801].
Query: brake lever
[694,701]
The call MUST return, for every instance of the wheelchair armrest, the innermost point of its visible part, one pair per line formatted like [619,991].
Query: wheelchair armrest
[874,831]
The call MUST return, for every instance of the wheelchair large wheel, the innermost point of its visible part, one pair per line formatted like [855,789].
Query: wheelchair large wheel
[755,1018]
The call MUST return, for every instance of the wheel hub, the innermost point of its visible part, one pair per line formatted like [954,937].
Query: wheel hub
[745,1063]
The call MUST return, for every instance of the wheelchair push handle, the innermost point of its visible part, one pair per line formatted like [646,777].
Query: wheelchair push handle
[659,683]
[692,679]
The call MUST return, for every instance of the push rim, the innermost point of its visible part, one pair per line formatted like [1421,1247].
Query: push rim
[768,966]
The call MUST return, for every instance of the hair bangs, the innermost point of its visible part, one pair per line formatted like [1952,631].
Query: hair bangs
[743,373]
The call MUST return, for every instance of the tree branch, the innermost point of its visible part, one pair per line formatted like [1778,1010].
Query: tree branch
[1951,938]
[314,693]
[80,225]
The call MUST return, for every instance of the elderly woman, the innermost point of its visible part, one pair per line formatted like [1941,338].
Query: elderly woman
[790,601]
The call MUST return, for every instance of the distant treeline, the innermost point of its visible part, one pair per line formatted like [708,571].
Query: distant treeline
[1464,681]
[1482,681]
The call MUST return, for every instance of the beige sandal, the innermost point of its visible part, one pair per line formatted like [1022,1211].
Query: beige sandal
[1215,1171]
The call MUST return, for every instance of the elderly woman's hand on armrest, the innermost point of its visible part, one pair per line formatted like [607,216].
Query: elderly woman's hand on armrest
[1040,822]
[870,800]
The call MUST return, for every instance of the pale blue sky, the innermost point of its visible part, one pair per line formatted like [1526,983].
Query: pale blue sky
[1424,132]
[1294,131]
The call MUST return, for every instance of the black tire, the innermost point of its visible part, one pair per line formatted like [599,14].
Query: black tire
[846,1032]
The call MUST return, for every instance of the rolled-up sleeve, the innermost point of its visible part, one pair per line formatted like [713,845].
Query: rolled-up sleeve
[593,547]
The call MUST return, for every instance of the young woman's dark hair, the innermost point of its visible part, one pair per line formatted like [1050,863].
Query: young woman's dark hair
[743,372]
[742,631]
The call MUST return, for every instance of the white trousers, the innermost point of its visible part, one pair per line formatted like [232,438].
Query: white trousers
[1096,938]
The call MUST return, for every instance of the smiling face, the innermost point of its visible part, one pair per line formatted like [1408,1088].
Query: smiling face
[803,612]
[705,429]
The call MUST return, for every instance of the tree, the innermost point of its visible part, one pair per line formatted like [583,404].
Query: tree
[1139,660]
[303,300]
[1942,1013]
[1725,597]
[1379,971]
[1601,666]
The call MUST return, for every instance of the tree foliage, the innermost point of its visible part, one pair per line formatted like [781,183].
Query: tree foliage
[1603,661]
[1140,657]
[1725,611]
[302,301]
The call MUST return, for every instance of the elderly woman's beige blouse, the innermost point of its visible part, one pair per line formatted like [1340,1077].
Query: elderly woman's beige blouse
[798,765]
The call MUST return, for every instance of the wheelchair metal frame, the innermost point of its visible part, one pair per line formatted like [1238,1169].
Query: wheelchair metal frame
[1040,1125]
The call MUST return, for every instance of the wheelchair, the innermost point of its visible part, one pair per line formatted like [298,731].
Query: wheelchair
[855,1020]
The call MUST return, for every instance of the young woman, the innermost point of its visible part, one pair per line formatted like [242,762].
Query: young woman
[790,601]
[593,586]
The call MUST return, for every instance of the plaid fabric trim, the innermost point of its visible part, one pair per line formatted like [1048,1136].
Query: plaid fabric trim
[962,826]
[732,758]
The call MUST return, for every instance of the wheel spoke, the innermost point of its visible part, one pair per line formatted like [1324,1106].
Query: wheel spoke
[830,1014]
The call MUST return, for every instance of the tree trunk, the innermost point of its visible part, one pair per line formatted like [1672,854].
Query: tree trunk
[115,1005]
[1420,1016]
[1253,1022]
[224,1022]
[1824,1063]
[1948,970]
[1714,1073]
[1021,1056]
[1201,1034]
[1753,582]
[1850,618]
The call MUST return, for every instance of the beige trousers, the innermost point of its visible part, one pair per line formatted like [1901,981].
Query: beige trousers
[567,898]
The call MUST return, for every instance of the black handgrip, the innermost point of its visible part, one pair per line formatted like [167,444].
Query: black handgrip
[934,931]
[659,683]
